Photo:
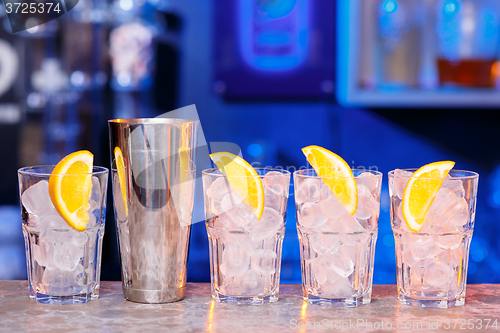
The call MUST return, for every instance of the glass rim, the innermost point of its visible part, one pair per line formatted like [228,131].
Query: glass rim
[99,170]
[467,174]
[448,233]
[136,121]
[300,173]
[213,172]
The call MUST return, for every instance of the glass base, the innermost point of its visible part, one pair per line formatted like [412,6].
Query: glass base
[62,300]
[246,300]
[350,302]
[432,303]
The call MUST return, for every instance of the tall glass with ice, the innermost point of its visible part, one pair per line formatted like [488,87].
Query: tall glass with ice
[337,248]
[64,264]
[432,263]
[245,252]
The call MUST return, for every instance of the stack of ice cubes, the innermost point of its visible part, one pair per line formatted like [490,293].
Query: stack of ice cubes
[438,246]
[58,248]
[248,260]
[336,238]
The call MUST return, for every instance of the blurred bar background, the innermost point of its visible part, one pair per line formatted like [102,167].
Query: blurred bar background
[383,83]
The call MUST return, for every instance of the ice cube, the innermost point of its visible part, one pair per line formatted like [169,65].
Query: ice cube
[345,224]
[235,261]
[310,215]
[274,201]
[67,255]
[264,262]
[366,204]
[215,208]
[251,284]
[401,178]
[339,288]
[242,239]
[416,274]
[51,222]
[240,213]
[461,218]
[269,225]
[452,257]
[423,247]
[323,243]
[455,185]
[93,220]
[96,190]
[331,207]
[59,282]
[79,239]
[450,240]
[53,278]
[319,271]
[368,180]
[230,201]
[275,182]
[219,189]
[44,253]
[308,191]
[340,262]
[399,221]
[437,273]
[445,206]
[325,193]
[224,223]
[78,276]
[36,199]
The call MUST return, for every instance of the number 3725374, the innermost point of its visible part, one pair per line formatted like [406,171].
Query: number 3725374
[32,8]
[470,324]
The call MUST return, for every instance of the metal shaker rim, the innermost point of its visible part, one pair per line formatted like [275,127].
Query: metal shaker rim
[135,121]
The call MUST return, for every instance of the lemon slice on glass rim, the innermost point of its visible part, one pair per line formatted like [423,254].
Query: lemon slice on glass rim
[421,190]
[243,179]
[70,188]
[336,174]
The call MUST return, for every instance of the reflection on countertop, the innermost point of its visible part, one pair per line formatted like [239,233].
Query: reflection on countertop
[199,313]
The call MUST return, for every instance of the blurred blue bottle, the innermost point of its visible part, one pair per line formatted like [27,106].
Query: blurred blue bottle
[274,33]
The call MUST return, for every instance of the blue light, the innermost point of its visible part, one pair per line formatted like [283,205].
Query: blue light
[496,197]
[390,6]
[478,254]
[255,150]
[388,240]
[472,269]
[276,9]
[274,34]
[450,7]
[273,39]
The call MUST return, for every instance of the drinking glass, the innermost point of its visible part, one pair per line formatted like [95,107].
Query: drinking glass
[245,253]
[337,249]
[64,265]
[432,263]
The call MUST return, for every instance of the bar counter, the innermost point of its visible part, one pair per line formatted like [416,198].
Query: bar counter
[199,313]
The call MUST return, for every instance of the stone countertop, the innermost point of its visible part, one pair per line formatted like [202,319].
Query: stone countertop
[199,313]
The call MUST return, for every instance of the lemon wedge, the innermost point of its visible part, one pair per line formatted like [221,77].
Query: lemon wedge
[243,179]
[420,191]
[70,188]
[120,166]
[336,174]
